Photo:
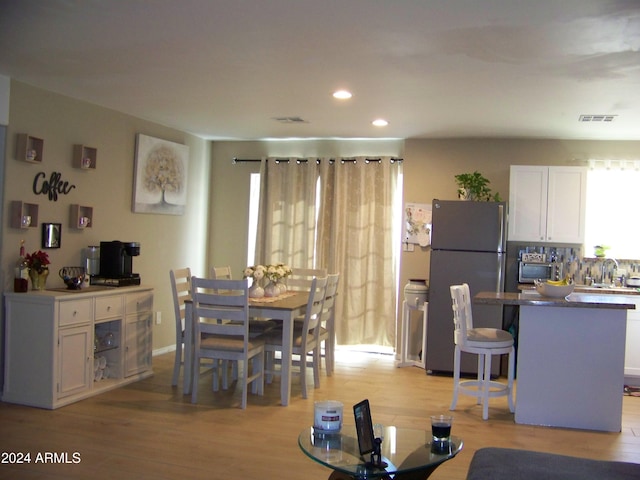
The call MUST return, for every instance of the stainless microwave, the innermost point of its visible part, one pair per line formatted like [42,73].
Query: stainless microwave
[528,272]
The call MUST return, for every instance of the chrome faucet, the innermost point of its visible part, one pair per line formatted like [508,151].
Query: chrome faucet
[604,269]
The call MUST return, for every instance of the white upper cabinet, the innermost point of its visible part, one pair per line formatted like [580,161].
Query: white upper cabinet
[547,204]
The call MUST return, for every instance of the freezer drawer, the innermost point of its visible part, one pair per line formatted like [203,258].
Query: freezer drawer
[483,272]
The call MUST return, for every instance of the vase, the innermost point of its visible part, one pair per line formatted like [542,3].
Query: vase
[38,279]
[255,290]
[282,287]
[271,290]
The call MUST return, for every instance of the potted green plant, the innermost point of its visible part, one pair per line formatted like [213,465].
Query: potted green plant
[473,186]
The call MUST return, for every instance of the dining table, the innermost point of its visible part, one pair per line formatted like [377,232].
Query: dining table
[285,308]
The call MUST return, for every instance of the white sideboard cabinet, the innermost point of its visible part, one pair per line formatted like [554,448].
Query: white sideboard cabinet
[63,346]
[547,204]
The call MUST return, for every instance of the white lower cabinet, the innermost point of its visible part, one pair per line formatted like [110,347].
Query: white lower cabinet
[61,347]
[75,361]
[632,352]
[137,352]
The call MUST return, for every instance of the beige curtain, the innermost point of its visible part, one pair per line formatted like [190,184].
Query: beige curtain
[287,217]
[353,225]
[360,200]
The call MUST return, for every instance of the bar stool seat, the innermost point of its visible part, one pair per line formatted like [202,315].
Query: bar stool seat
[484,342]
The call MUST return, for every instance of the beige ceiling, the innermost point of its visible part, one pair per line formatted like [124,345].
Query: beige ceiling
[224,69]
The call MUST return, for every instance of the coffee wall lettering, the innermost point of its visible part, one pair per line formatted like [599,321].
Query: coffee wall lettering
[52,187]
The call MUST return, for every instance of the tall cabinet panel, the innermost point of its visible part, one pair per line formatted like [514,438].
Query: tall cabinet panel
[138,333]
[566,206]
[528,203]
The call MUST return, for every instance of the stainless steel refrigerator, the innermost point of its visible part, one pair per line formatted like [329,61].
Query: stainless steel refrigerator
[468,245]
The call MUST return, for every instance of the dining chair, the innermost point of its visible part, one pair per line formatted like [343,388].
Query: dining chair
[257,326]
[220,272]
[306,338]
[181,290]
[484,342]
[300,278]
[226,339]
[327,334]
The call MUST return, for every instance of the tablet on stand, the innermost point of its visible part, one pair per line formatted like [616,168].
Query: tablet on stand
[367,443]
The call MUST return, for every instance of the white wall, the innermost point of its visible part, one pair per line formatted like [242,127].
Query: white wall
[5,89]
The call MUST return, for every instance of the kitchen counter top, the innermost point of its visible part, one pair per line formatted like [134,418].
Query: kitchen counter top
[525,287]
[51,294]
[575,300]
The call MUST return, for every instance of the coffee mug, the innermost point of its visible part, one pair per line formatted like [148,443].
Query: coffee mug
[26,220]
[84,222]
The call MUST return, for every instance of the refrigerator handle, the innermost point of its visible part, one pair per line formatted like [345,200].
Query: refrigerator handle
[502,232]
[502,258]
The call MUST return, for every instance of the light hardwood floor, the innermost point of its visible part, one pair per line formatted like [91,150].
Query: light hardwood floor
[149,430]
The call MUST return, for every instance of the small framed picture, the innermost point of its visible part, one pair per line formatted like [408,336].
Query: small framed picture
[51,235]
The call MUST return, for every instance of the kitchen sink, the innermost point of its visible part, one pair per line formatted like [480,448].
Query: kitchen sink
[606,288]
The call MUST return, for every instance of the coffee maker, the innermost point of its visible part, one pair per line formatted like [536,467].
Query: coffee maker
[116,264]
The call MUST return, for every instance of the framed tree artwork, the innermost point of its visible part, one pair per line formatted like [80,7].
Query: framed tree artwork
[160,176]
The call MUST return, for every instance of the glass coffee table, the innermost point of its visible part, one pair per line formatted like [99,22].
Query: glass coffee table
[408,453]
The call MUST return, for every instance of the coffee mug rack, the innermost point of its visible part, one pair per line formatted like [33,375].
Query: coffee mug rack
[80,216]
[23,214]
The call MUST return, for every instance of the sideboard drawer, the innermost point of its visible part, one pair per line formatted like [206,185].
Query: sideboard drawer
[139,302]
[109,307]
[77,311]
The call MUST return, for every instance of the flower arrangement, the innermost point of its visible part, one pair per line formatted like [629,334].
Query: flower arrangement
[272,272]
[278,272]
[256,272]
[38,261]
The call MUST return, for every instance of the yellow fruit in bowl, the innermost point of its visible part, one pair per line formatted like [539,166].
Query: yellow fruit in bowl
[557,289]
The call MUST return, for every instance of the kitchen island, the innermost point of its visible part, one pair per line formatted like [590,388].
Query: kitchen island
[570,358]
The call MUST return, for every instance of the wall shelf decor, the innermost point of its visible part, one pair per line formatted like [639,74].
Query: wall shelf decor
[51,235]
[23,215]
[29,149]
[85,158]
[80,216]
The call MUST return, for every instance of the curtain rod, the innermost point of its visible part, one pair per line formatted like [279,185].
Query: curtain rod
[306,160]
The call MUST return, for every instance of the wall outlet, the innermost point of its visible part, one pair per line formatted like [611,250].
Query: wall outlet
[158,318]
[407,247]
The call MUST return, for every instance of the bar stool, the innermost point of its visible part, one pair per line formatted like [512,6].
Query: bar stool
[484,342]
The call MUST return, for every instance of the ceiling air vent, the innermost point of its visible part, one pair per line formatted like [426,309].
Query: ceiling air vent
[290,120]
[596,118]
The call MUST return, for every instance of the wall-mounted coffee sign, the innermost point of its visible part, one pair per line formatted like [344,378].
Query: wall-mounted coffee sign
[53,187]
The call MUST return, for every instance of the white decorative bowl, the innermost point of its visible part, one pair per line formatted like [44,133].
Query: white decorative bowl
[556,291]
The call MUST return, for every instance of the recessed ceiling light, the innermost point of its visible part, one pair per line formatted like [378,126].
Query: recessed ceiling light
[342,95]
[380,122]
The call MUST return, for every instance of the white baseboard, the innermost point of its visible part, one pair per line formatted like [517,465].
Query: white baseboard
[163,350]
